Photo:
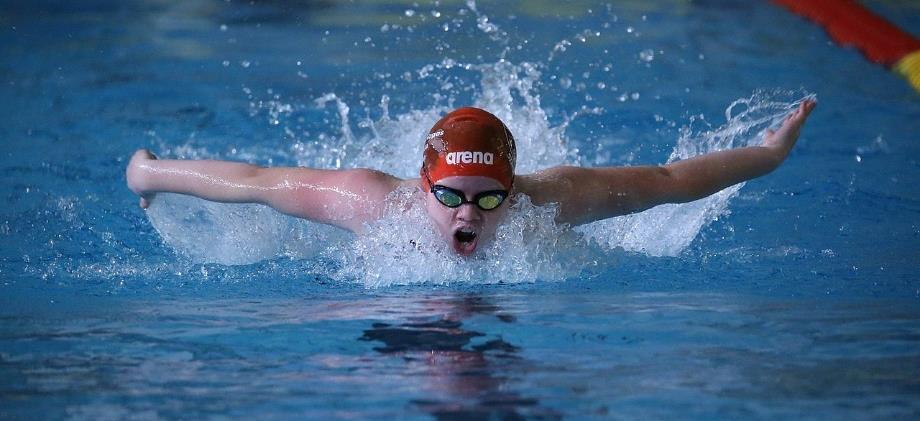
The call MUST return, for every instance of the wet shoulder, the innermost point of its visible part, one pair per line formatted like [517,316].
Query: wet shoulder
[405,195]
[544,186]
[375,185]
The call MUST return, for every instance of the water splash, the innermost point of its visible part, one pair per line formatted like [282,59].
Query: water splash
[667,230]
[403,247]
[495,33]
[235,234]
[563,45]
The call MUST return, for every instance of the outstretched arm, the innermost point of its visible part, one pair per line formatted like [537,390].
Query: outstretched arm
[590,194]
[346,198]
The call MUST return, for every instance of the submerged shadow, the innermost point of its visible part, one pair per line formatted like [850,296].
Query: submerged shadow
[465,380]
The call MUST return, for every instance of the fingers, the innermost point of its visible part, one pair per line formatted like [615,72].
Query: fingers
[802,111]
[809,104]
[806,106]
[143,154]
[135,177]
[140,154]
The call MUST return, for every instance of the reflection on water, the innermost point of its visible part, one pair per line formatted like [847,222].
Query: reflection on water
[516,354]
[461,378]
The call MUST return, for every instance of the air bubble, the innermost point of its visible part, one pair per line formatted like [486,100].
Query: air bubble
[647,55]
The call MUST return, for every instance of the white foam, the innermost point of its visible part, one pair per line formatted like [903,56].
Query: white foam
[668,229]
[403,248]
[235,234]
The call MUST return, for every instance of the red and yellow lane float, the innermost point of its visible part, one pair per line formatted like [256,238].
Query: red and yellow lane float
[849,23]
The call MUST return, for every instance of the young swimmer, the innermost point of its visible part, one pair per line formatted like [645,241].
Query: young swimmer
[466,180]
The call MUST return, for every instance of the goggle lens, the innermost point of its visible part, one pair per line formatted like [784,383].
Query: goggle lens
[490,202]
[448,198]
[453,198]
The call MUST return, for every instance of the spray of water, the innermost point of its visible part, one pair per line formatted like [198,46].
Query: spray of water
[668,229]
[403,247]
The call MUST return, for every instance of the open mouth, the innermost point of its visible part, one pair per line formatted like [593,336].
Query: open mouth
[465,236]
[465,241]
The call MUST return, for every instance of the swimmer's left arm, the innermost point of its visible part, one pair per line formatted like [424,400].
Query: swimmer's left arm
[590,194]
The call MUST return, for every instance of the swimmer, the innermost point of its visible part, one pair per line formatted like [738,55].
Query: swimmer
[466,181]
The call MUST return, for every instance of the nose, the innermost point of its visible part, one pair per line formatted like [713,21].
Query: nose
[468,212]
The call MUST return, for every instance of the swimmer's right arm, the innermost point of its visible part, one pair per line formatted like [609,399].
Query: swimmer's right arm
[344,198]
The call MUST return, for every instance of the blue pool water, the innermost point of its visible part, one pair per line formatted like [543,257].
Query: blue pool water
[795,296]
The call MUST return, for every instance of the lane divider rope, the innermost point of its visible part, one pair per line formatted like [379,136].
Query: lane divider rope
[850,24]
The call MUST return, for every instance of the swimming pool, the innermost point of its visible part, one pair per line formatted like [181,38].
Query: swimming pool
[795,296]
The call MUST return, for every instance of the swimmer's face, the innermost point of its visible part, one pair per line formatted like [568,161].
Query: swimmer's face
[467,227]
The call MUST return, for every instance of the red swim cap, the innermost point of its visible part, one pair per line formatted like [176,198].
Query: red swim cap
[469,141]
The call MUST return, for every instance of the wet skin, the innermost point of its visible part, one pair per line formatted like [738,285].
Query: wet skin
[351,198]
[455,224]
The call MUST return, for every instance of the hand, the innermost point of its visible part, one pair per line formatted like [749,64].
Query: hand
[783,139]
[137,177]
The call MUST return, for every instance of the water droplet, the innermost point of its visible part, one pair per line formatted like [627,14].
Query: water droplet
[647,55]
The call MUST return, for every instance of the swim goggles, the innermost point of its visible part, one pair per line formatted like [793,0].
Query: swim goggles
[453,198]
